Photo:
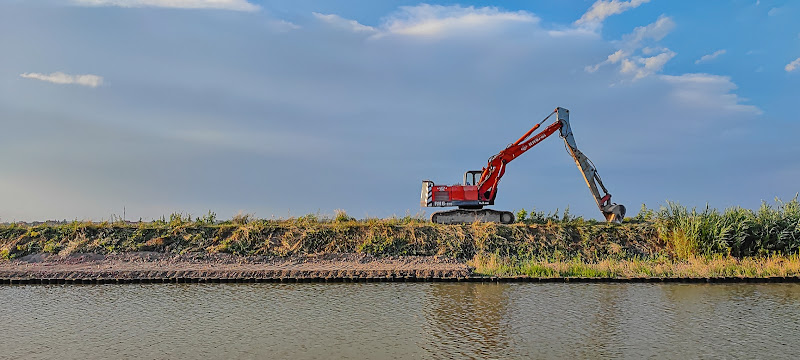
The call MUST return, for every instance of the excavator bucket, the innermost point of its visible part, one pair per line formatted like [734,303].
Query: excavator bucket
[614,213]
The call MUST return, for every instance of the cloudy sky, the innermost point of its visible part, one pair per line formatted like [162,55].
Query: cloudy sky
[283,108]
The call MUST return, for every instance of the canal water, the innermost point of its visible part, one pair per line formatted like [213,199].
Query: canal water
[400,321]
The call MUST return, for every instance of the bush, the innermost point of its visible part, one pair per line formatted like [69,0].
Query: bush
[522,215]
[242,219]
[341,216]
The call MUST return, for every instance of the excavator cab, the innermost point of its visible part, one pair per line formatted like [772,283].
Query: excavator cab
[472,177]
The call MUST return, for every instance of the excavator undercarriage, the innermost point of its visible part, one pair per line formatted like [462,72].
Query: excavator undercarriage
[467,216]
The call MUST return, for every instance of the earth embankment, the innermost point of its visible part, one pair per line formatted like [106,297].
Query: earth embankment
[689,245]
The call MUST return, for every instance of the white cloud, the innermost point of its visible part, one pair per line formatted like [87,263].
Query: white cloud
[602,9]
[707,91]
[616,57]
[641,67]
[792,66]
[62,78]
[774,11]
[653,50]
[655,31]
[573,31]
[435,20]
[643,64]
[283,25]
[612,59]
[430,20]
[236,5]
[710,57]
[341,22]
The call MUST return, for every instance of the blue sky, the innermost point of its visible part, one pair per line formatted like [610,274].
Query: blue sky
[284,108]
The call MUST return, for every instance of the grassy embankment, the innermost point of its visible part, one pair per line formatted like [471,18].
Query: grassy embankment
[672,241]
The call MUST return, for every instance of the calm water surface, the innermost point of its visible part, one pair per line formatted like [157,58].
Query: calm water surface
[388,321]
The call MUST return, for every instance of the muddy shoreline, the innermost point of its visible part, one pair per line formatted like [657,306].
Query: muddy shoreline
[153,267]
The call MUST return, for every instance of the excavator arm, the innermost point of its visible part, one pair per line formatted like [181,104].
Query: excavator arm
[495,169]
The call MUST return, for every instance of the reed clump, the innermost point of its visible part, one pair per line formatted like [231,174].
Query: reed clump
[738,232]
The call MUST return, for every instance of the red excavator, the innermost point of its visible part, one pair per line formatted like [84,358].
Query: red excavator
[480,186]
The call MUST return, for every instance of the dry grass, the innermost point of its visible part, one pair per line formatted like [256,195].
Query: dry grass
[311,235]
[695,267]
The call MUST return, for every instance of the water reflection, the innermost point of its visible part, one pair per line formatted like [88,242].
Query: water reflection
[604,323]
[759,319]
[466,320]
[390,321]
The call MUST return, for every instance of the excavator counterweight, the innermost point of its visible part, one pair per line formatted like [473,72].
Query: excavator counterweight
[479,187]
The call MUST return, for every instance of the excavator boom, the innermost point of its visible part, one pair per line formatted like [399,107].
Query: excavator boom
[475,193]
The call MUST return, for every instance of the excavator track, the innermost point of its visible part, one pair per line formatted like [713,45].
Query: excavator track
[465,216]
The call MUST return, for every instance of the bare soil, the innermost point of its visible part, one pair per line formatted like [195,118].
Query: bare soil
[153,265]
